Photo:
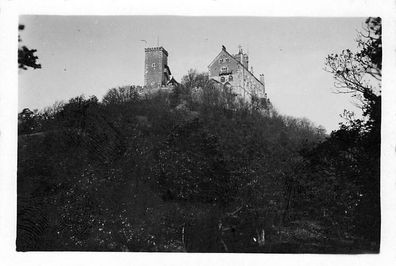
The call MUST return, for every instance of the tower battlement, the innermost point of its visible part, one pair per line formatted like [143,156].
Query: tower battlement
[153,49]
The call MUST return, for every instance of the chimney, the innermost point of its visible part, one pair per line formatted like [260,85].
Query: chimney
[240,49]
[246,61]
[262,78]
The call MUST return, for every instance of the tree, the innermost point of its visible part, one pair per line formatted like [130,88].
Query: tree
[349,160]
[29,121]
[121,95]
[26,57]
[360,73]
[76,113]
[193,79]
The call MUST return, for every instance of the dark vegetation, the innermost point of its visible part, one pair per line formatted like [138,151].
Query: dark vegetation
[194,170]
[26,56]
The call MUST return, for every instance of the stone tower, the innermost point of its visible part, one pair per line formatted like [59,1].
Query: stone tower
[156,70]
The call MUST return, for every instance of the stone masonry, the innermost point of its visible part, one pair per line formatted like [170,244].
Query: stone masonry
[233,71]
[156,70]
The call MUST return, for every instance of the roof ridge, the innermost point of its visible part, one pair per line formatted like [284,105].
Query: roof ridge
[243,66]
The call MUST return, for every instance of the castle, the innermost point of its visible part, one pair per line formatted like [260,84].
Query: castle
[228,71]
[233,72]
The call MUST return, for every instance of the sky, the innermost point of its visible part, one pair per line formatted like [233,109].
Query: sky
[91,54]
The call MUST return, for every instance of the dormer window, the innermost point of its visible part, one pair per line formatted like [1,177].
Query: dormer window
[221,61]
[230,78]
[222,79]
[224,69]
[227,59]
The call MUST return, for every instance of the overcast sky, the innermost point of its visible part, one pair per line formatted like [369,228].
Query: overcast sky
[91,54]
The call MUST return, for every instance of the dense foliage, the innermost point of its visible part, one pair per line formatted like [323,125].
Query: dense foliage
[26,56]
[193,169]
[132,172]
[352,153]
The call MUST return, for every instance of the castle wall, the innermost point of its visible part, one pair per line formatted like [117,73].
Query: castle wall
[227,69]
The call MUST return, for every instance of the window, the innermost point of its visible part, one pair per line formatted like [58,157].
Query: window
[153,65]
[222,79]
[224,69]
[230,78]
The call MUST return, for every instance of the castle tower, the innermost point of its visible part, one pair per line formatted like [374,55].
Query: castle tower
[156,70]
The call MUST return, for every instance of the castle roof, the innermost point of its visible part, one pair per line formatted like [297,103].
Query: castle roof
[223,50]
[172,81]
[167,69]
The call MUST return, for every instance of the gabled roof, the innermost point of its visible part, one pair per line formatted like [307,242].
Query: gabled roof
[168,69]
[173,81]
[217,57]
[224,51]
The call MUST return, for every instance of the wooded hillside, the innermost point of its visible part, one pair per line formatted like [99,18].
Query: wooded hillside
[173,171]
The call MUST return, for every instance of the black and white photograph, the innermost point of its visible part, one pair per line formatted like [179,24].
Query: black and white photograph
[176,133]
